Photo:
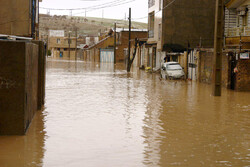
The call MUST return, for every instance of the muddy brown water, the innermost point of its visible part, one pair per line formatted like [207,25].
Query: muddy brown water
[99,116]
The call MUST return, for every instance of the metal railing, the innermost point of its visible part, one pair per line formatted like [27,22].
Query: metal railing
[237,31]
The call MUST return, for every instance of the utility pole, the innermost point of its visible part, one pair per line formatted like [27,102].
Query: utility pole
[76,46]
[129,42]
[69,44]
[115,44]
[218,46]
[70,13]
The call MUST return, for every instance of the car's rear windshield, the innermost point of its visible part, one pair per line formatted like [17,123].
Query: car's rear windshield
[174,67]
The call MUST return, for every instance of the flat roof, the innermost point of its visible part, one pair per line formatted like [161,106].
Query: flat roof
[134,30]
[14,37]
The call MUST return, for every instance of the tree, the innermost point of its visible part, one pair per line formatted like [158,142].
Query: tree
[130,61]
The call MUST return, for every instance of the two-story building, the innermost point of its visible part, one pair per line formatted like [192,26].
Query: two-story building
[154,52]
[20,18]
[60,46]
[237,43]
[176,26]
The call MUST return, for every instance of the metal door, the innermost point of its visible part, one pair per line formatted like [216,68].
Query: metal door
[107,55]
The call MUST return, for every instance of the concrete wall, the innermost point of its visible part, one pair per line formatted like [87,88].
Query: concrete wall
[41,74]
[188,20]
[18,86]
[15,18]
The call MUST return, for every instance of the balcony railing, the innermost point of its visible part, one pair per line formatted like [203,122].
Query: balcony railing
[237,31]
[151,34]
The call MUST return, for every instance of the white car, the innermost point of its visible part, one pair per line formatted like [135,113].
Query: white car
[172,70]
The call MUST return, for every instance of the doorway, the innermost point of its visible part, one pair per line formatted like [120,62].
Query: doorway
[232,65]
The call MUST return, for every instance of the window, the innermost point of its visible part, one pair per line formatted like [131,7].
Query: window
[159,31]
[151,3]
[58,40]
[151,25]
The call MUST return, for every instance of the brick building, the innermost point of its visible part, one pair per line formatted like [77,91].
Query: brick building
[105,46]
[237,43]
[60,47]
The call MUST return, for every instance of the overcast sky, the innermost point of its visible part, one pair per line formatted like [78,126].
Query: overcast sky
[139,8]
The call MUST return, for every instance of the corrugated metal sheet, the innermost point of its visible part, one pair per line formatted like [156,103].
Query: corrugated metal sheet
[107,55]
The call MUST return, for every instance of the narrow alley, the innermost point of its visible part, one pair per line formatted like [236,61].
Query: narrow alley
[98,116]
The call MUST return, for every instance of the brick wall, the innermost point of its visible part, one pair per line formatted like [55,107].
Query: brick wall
[206,67]
[243,75]
[124,42]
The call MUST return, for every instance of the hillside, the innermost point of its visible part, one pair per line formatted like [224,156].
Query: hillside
[84,26]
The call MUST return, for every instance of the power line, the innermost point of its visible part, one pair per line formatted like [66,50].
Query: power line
[95,6]
[108,6]
[155,12]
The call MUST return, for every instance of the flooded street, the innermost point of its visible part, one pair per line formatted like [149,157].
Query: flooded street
[98,116]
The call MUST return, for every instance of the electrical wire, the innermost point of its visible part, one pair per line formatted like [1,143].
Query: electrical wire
[108,6]
[95,6]
[155,12]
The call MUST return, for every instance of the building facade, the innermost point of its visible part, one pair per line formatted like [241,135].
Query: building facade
[237,43]
[105,46]
[153,47]
[237,24]
[63,47]
[187,24]
[20,18]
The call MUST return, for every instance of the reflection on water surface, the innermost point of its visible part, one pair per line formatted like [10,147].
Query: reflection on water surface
[97,115]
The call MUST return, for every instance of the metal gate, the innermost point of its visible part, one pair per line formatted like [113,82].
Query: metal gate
[192,66]
[107,55]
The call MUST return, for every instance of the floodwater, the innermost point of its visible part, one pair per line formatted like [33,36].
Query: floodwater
[98,116]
